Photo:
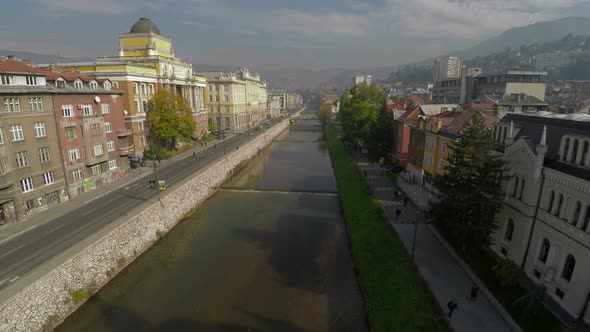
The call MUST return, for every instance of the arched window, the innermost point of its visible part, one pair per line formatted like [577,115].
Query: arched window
[544,253]
[515,186]
[551,201]
[586,219]
[521,189]
[575,152]
[585,153]
[559,204]
[566,149]
[577,212]
[568,269]
[509,230]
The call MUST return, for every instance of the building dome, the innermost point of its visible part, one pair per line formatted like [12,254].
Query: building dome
[144,25]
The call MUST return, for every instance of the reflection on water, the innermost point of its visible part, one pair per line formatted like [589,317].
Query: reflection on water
[246,261]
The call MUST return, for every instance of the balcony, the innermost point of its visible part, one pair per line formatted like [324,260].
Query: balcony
[124,133]
[127,150]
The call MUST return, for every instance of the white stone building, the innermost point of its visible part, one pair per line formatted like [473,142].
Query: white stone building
[544,222]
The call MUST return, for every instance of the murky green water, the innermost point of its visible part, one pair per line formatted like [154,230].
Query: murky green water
[261,259]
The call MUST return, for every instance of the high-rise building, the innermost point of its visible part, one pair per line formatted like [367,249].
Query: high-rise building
[358,79]
[447,67]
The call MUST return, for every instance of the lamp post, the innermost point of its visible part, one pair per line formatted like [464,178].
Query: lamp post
[152,144]
[415,233]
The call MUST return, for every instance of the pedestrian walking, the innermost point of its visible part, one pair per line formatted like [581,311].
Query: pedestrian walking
[397,213]
[405,201]
[194,154]
[474,292]
[452,307]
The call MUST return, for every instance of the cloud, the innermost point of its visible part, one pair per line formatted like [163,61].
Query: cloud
[473,19]
[320,25]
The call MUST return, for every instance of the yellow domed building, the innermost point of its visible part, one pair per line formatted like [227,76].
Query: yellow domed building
[146,63]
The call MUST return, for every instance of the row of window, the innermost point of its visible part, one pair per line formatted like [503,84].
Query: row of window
[67,111]
[570,262]
[11,80]
[22,159]
[12,104]
[93,128]
[17,132]
[579,151]
[555,206]
[145,89]
[79,85]
[98,150]
[517,187]
[27,184]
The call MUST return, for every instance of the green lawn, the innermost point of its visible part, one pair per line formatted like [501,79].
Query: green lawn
[395,296]
[481,263]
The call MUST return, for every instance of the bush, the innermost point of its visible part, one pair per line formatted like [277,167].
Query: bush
[155,152]
[78,295]
[508,273]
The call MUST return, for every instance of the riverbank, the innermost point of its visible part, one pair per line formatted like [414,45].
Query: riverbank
[395,297]
[53,297]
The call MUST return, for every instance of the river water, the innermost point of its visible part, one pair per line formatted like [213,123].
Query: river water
[268,252]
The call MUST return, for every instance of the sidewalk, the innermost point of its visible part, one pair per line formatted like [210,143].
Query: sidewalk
[444,272]
[13,229]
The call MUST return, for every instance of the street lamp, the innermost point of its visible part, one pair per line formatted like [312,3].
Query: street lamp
[152,144]
[415,233]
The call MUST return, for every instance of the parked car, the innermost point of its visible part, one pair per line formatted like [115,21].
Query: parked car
[395,169]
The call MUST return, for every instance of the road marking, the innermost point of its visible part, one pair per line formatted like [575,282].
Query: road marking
[135,185]
[2,282]
[55,228]
[13,279]
[17,234]
[105,193]
[11,251]
[88,212]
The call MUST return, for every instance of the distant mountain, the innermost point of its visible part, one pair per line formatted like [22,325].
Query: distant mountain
[40,58]
[537,33]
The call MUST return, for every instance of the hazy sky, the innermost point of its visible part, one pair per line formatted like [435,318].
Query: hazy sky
[275,33]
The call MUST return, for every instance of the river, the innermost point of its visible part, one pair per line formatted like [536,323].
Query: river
[268,252]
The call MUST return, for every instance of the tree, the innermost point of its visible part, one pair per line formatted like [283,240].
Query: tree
[470,190]
[212,125]
[170,119]
[360,113]
[324,114]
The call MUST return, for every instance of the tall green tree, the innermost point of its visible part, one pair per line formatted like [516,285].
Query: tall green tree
[324,114]
[470,190]
[360,113]
[170,119]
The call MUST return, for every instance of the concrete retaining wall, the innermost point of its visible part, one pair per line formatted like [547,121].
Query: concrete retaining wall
[53,297]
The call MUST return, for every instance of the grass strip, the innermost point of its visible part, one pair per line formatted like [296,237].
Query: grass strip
[396,298]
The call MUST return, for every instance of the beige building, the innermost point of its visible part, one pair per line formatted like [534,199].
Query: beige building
[237,100]
[544,222]
[31,167]
[147,63]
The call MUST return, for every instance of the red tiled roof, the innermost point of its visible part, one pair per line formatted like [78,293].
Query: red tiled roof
[68,76]
[395,106]
[16,66]
[417,100]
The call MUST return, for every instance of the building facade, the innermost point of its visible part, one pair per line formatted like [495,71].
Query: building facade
[545,218]
[497,86]
[147,63]
[31,167]
[280,98]
[447,67]
[238,100]
[91,130]
[358,79]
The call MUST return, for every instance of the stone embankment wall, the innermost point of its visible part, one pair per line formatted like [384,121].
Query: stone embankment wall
[46,302]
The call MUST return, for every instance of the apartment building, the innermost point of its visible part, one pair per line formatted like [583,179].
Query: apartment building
[545,218]
[31,167]
[91,130]
[447,67]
